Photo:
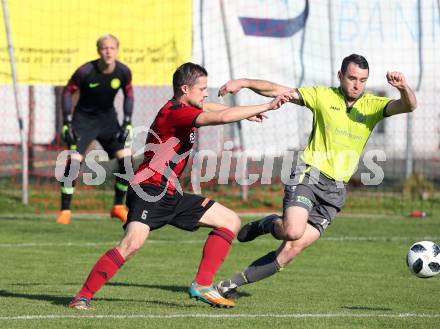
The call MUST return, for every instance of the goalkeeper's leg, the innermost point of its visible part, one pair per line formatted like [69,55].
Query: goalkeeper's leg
[68,182]
[119,209]
[83,136]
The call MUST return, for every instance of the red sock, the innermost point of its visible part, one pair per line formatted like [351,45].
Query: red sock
[214,253]
[102,272]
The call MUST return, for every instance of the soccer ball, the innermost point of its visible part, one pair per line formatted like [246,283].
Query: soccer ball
[423,259]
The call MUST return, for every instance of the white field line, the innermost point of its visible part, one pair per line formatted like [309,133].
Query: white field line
[261,241]
[222,316]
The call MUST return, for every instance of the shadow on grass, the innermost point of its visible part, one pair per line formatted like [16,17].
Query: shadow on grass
[63,301]
[56,300]
[172,288]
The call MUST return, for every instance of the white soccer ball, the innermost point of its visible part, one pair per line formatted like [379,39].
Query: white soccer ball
[423,259]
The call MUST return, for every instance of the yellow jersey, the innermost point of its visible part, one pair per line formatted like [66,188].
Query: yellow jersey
[339,133]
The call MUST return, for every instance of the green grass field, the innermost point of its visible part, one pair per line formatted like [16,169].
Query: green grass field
[354,277]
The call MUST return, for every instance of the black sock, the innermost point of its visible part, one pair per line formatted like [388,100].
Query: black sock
[68,182]
[273,232]
[121,184]
[66,199]
[258,270]
[119,196]
[269,227]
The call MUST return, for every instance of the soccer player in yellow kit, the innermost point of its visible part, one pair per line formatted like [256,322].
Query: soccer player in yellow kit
[343,119]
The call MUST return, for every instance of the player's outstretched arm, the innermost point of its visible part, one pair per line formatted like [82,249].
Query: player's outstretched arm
[262,87]
[407,102]
[232,114]
[213,107]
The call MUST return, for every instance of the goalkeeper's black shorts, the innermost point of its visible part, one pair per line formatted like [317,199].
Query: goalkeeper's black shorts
[101,127]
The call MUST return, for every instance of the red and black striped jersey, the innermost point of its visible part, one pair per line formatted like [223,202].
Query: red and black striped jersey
[168,145]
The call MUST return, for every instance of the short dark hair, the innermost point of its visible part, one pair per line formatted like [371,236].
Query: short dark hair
[187,74]
[356,59]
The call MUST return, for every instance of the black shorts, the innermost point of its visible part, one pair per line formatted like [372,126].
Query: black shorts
[102,127]
[182,211]
[321,196]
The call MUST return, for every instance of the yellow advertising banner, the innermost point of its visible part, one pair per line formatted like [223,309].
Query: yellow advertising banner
[52,38]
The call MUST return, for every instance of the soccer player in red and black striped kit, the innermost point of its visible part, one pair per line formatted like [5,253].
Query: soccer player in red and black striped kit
[95,118]
[154,198]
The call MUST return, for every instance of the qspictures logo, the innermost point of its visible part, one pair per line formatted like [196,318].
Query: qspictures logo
[208,165]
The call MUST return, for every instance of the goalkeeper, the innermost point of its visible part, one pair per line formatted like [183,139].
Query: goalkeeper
[95,118]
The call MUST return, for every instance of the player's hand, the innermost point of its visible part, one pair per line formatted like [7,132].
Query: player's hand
[280,100]
[68,135]
[232,87]
[396,79]
[126,130]
[258,118]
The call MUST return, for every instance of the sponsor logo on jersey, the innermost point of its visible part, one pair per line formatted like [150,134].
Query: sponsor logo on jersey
[93,84]
[115,83]
[335,108]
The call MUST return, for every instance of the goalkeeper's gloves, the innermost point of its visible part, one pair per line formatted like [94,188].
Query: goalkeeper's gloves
[67,133]
[126,132]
